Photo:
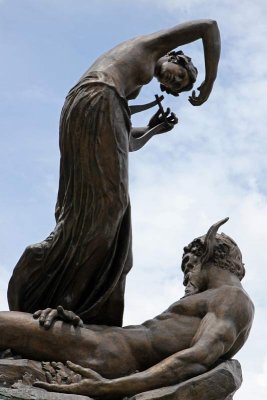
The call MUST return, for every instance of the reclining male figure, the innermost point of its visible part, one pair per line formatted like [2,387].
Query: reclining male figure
[209,324]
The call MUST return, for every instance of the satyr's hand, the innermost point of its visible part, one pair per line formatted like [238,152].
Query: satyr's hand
[93,384]
[49,315]
[204,91]
[167,122]
[57,372]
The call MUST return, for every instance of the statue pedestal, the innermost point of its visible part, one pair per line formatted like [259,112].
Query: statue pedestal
[219,383]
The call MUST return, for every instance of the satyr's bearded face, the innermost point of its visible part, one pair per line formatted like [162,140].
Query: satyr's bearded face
[194,275]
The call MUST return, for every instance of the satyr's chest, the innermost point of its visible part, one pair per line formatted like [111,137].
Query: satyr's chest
[195,305]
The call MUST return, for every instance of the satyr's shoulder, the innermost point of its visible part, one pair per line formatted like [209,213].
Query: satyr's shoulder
[232,302]
[230,293]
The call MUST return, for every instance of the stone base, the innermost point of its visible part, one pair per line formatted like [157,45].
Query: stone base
[24,392]
[219,383]
[12,371]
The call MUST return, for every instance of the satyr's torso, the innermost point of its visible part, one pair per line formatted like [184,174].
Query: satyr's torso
[138,347]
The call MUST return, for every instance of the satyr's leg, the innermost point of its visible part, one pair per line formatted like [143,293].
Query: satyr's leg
[62,342]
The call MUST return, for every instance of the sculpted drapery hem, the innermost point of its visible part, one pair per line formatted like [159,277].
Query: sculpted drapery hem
[83,263]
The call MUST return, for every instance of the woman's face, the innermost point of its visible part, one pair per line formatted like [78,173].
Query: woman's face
[172,76]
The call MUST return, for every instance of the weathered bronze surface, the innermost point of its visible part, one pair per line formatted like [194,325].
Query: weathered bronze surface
[82,265]
[77,275]
[208,325]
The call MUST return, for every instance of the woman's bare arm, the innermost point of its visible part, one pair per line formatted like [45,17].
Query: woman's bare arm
[162,42]
[166,40]
[132,63]
[158,124]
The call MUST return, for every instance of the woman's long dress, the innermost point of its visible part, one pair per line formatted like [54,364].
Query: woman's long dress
[83,263]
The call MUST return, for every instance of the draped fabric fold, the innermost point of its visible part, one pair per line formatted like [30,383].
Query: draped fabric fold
[82,264]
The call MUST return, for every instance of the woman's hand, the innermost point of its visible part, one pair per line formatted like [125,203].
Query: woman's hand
[204,91]
[165,123]
[48,316]
[161,122]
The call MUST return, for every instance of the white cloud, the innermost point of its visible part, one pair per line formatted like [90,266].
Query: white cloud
[253,360]
[262,377]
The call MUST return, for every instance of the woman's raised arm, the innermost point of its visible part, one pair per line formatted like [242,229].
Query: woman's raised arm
[162,42]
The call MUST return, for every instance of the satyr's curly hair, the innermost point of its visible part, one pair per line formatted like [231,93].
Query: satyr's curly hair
[226,255]
[178,57]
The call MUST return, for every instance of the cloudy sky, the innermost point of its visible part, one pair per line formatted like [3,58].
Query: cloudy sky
[212,165]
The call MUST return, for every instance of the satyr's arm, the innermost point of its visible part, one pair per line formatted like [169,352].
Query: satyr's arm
[223,330]
[214,338]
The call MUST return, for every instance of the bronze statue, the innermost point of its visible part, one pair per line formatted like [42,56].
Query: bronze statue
[82,264]
[208,325]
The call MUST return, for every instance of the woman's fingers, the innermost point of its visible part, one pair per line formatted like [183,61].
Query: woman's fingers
[62,313]
[195,100]
[77,321]
[172,118]
[46,317]
[37,314]
[50,318]
[69,316]
[65,315]
[43,315]
[193,95]
[167,112]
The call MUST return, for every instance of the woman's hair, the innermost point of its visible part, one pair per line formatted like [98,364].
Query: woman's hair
[178,57]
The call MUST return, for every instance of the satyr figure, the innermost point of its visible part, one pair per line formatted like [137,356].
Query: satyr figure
[208,325]
[82,264]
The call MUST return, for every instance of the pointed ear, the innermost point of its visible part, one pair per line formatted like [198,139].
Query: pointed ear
[209,242]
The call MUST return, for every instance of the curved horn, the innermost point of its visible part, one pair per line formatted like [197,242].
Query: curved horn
[209,243]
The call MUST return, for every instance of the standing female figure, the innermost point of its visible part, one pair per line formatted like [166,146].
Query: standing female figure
[83,263]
